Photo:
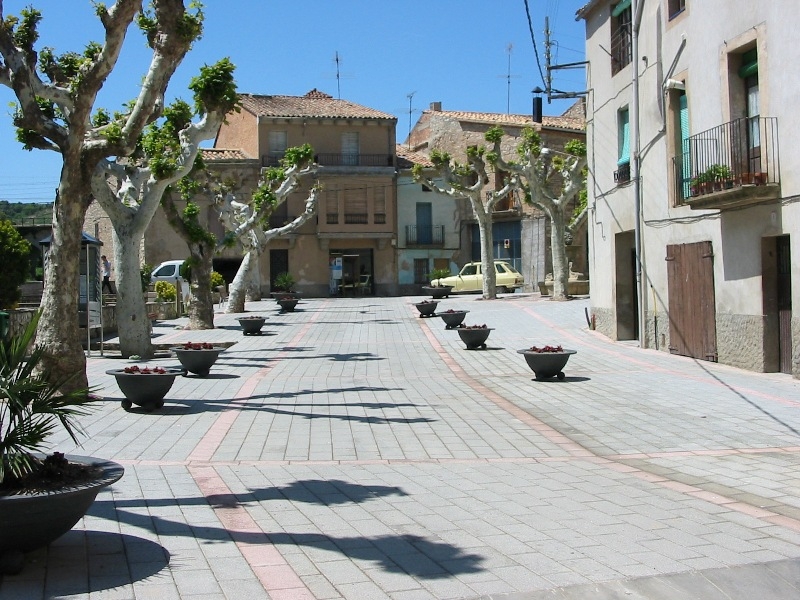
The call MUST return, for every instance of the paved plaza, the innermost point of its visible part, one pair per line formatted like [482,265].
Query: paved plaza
[358,451]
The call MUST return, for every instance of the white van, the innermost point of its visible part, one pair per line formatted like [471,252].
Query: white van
[170,270]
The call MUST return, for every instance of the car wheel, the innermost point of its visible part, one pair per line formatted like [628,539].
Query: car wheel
[502,289]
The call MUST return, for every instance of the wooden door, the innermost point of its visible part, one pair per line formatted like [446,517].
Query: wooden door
[692,311]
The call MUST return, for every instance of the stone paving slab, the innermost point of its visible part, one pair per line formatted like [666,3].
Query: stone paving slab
[356,450]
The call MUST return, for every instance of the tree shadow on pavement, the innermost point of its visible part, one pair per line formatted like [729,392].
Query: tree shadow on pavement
[401,553]
[201,405]
[123,559]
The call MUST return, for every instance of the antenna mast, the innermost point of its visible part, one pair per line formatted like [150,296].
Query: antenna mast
[409,96]
[338,83]
[508,80]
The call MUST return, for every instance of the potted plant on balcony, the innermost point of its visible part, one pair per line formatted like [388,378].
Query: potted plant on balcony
[41,497]
[437,289]
[700,184]
[720,176]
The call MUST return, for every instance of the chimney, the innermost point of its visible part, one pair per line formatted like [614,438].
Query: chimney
[537,109]
[436,106]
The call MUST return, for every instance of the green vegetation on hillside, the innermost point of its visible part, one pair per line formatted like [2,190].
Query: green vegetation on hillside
[26,213]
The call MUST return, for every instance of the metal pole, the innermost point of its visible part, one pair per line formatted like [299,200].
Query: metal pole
[635,170]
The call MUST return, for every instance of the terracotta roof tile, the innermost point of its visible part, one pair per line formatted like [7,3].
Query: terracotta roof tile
[562,122]
[313,104]
[406,158]
[223,154]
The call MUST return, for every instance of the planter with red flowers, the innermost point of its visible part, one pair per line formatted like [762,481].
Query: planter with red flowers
[452,318]
[547,361]
[427,308]
[145,386]
[197,357]
[474,336]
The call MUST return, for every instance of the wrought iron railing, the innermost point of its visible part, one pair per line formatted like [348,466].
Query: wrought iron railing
[432,235]
[356,218]
[737,153]
[354,160]
[623,174]
[621,48]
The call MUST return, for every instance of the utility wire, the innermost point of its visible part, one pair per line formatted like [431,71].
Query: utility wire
[533,41]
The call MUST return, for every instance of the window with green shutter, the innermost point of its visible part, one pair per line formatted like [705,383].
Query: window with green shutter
[624,137]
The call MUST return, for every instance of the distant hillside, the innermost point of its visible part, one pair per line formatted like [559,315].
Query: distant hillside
[26,213]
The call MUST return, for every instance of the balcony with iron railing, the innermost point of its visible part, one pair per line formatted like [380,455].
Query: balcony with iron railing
[729,166]
[623,174]
[430,236]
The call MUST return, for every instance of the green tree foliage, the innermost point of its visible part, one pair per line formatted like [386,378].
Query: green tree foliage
[14,256]
[26,212]
[165,291]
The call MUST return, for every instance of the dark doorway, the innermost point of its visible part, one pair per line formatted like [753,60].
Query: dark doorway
[227,267]
[776,277]
[625,287]
[784,303]
[278,263]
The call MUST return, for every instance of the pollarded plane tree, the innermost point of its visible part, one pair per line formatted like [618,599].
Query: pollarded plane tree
[201,243]
[130,190]
[56,96]
[552,181]
[468,182]
[248,222]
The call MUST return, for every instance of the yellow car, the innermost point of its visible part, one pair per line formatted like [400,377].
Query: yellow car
[470,278]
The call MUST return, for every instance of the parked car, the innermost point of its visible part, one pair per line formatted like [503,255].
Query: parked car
[470,278]
[170,270]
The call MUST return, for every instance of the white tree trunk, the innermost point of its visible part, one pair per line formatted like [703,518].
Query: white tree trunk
[253,283]
[133,323]
[484,218]
[238,288]
[58,332]
[558,247]
[201,307]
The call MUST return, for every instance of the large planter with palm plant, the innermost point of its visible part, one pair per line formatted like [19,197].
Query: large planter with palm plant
[41,497]
[283,287]
[436,290]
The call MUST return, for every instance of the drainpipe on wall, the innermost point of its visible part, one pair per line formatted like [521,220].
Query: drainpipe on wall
[637,6]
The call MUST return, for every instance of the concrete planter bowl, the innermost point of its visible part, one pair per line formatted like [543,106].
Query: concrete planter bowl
[427,308]
[145,389]
[197,360]
[547,364]
[287,304]
[251,325]
[35,519]
[474,337]
[452,318]
[281,295]
[436,292]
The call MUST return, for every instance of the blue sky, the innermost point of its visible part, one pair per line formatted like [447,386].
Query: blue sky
[453,51]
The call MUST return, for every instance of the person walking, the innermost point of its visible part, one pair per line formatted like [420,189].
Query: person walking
[106,275]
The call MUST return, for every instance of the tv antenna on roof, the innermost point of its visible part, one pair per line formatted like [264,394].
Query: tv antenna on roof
[410,111]
[338,79]
[508,76]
